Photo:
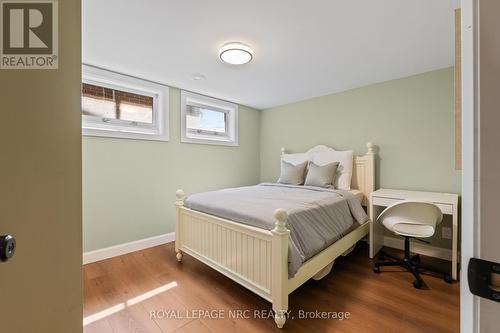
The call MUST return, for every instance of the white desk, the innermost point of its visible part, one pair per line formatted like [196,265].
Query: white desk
[447,202]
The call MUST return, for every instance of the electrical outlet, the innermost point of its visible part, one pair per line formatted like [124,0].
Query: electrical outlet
[446,232]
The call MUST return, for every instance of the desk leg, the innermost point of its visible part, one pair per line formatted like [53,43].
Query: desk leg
[376,230]
[454,246]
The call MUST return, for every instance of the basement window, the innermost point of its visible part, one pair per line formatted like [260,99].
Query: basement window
[207,120]
[121,106]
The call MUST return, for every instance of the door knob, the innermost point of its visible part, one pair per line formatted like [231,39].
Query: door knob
[7,247]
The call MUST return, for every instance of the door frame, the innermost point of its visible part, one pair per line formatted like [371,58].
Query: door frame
[470,228]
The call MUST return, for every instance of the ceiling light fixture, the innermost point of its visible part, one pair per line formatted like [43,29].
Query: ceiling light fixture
[235,53]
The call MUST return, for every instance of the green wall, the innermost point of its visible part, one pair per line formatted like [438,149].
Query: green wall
[410,120]
[129,185]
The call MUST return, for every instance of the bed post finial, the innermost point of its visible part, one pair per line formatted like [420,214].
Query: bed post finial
[370,147]
[280,215]
[179,194]
[279,258]
[282,151]
[179,202]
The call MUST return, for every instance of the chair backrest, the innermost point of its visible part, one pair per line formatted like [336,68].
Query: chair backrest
[416,212]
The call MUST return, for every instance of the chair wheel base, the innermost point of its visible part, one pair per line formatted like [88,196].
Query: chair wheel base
[447,278]
[418,284]
[416,259]
[376,269]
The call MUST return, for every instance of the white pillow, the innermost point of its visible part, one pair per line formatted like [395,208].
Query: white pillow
[344,171]
[295,159]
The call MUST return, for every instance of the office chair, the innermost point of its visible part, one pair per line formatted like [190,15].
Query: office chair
[410,219]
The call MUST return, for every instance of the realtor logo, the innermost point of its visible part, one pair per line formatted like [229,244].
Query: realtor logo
[29,35]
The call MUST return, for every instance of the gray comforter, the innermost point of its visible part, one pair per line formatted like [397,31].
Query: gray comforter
[317,217]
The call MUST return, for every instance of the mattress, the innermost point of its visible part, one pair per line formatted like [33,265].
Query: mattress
[317,217]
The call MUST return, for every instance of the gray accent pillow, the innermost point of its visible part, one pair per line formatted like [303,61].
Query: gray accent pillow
[292,174]
[321,176]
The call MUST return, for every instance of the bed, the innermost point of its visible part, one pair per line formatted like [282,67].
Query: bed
[258,257]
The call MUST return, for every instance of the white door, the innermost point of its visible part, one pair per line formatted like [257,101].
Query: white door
[481,180]
[40,189]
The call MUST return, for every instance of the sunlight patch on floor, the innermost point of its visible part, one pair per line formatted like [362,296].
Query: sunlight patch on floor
[119,307]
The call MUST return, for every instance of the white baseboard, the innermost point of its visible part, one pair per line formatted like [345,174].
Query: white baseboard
[120,249]
[416,247]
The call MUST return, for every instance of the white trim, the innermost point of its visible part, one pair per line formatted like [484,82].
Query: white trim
[121,249]
[232,121]
[469,305]
[158,131]
[416,247]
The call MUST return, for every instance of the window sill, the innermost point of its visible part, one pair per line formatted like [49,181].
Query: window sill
[124,135]
[210,142]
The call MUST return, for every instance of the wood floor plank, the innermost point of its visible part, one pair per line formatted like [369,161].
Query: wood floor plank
[194,326]
[134,287]
[98,327]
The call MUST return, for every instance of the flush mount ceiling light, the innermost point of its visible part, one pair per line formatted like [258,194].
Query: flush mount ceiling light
[235,53]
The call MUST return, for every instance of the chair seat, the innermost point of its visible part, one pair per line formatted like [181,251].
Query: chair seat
[411,219]
[413,230]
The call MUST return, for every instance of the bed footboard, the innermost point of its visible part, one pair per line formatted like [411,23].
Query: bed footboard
[253,257]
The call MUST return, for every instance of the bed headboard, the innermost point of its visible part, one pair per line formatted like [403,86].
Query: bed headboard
[363,169]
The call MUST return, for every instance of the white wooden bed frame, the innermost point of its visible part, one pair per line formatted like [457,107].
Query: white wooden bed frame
[258,258]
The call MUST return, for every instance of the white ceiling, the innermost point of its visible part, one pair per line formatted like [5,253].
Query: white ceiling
[302,48]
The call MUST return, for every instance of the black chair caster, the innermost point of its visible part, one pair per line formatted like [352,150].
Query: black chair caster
[418,284]
[416,259]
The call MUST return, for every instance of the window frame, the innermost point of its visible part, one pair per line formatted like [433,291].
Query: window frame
[206,132]
[158,130]
[209,137]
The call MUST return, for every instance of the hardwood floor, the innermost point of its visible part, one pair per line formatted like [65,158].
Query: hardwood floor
[144,291]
